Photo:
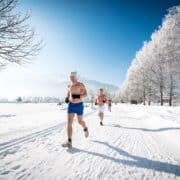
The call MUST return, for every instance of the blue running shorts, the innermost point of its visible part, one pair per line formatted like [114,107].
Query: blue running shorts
[76,108]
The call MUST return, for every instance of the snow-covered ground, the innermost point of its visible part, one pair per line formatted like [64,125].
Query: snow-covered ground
[136,142]
[18,120]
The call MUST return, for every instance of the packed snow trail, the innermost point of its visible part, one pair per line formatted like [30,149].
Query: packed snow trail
[136,142]
[32,136]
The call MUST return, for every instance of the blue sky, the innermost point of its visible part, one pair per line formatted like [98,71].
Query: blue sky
[97,38]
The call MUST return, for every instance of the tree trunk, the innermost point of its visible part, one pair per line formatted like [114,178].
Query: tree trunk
[144,97]
[150,93]
[161,95]
[161,86]
[171,88]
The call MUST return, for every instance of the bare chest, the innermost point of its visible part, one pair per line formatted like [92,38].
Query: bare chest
[75,89]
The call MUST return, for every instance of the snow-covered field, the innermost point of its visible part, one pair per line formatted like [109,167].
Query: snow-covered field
[136,142]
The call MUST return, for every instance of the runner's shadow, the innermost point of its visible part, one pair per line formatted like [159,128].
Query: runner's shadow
[145,129]
[7,115]
[113,125]
[74,150]
[142,162]
[136,161]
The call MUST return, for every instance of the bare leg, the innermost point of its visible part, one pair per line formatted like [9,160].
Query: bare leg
[102,116]
[99,115]
[69,125]
[81,122]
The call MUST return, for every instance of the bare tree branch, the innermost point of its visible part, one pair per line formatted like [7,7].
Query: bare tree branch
[18,41]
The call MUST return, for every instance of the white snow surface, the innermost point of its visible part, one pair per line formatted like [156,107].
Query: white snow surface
[136,142]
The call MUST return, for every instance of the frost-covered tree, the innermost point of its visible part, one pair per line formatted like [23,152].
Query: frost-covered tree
[155,71]
[18,43]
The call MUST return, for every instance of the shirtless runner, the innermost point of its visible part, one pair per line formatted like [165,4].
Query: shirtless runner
[76,93]
[100,101]
[109,104]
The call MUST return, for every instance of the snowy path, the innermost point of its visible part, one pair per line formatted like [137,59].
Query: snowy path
[136,142]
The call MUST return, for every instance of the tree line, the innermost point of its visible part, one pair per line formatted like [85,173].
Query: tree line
[154,74]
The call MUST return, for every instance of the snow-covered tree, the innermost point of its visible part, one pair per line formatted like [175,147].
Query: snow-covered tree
[155,71]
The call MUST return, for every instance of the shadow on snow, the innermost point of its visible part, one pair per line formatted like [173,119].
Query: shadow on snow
[136,161]
[145,129]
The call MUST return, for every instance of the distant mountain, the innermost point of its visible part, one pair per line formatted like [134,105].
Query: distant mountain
[91,85]
[42,84]
[94,85]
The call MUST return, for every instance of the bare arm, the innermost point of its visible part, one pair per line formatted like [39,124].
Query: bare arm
[84,91]
[96,100]
[67,96]
[105,99]
[68,92]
